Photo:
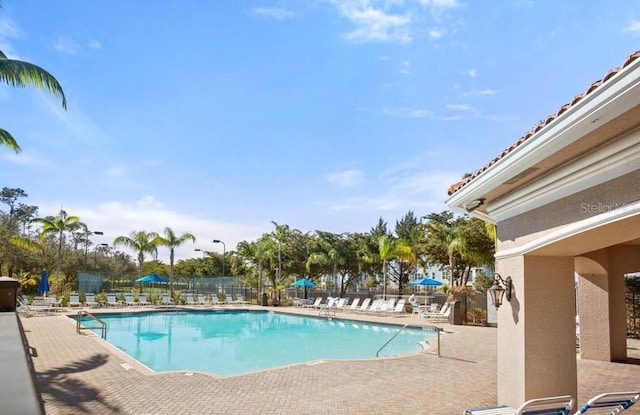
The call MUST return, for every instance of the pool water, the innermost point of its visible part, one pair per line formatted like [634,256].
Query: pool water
[233,342]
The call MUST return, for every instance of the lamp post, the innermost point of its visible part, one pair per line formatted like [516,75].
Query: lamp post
[224,251]
[201,250]
[86,245]
[95,254]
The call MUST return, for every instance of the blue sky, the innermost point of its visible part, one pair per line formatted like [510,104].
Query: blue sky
[219,117]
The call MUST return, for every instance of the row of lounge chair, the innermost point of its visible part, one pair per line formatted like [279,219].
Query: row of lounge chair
[214,300]
[378,306]
[606,403]
[165,300]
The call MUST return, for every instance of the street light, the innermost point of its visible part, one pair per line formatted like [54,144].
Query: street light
[201,250]
[224,251]
[86,244]
[95,254]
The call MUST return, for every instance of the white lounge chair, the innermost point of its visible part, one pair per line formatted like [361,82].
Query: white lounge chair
[315,304]
[27,310]
[609,403]
[90,300]
[74,300]
[240,299]
[228,299]
[364,306]
[130,301]
[354,304]
[189,300]
[443,314]
[202,300]
[215,300]
[112,301]
[142,300]
[166,300]
[399,308]
[556,405]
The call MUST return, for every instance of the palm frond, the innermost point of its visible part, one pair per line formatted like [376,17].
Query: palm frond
[7,139]
[21,74]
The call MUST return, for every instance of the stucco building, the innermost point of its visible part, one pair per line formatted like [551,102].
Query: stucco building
[566,201]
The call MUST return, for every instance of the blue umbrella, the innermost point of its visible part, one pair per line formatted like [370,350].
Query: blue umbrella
[43,285]
[426,281]
[304,283]
[152,278]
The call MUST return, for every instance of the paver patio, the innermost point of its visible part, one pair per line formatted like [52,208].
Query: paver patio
[82,374]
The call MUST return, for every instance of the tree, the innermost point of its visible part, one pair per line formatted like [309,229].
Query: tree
[172,241]
[459,243]
[61,223]
[142,242]
[18,73]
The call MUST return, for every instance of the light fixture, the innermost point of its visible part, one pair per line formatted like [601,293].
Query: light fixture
[497,291]
[474,205]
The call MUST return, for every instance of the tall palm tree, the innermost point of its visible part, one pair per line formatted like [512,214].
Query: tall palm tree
[172,241]
[142,242]
[20,74]
[61,223]
[386,248]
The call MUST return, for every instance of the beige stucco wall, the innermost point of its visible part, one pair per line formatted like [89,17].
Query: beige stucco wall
[601,296]
[527,227]
[536,336]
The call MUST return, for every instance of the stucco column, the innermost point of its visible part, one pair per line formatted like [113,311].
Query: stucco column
[536,330]
[601,296]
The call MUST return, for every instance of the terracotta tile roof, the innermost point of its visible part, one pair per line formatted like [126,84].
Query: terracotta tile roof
[595,85]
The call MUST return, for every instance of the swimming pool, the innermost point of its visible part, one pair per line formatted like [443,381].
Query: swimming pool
[233,342]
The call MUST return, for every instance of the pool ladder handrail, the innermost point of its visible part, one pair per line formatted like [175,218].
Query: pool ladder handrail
[390,340]
[80,327]
[437,330]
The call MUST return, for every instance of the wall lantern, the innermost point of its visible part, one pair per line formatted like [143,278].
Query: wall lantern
[499,289]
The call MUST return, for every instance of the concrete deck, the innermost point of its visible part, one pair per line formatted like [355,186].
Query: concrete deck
[82,374]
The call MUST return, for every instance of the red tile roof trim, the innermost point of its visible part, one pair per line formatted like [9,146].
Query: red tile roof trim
[595,85]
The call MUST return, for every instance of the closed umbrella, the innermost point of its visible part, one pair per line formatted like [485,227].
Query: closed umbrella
[43,285]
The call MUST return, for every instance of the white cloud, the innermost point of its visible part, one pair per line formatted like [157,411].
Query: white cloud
[471,73]
[633,27]
[8,30]
[66,45]
[405,68]
[374,24]
[409,112]
[276,13]
[346,179]
[94,44]
[459,107]
[441,4]
[435,33]
[489,92]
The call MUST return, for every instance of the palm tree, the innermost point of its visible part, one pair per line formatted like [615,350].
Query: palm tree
[142,242]
[172,241]
[386,248]
[61,223]
[20,74]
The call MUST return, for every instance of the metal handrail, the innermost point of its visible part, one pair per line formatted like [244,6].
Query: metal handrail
[389,341]
[80,327]
[438,330]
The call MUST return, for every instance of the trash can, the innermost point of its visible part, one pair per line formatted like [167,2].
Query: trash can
[264,299]
[8,293]
[455,315]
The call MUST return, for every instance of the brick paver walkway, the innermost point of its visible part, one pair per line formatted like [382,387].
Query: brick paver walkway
[81,374]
